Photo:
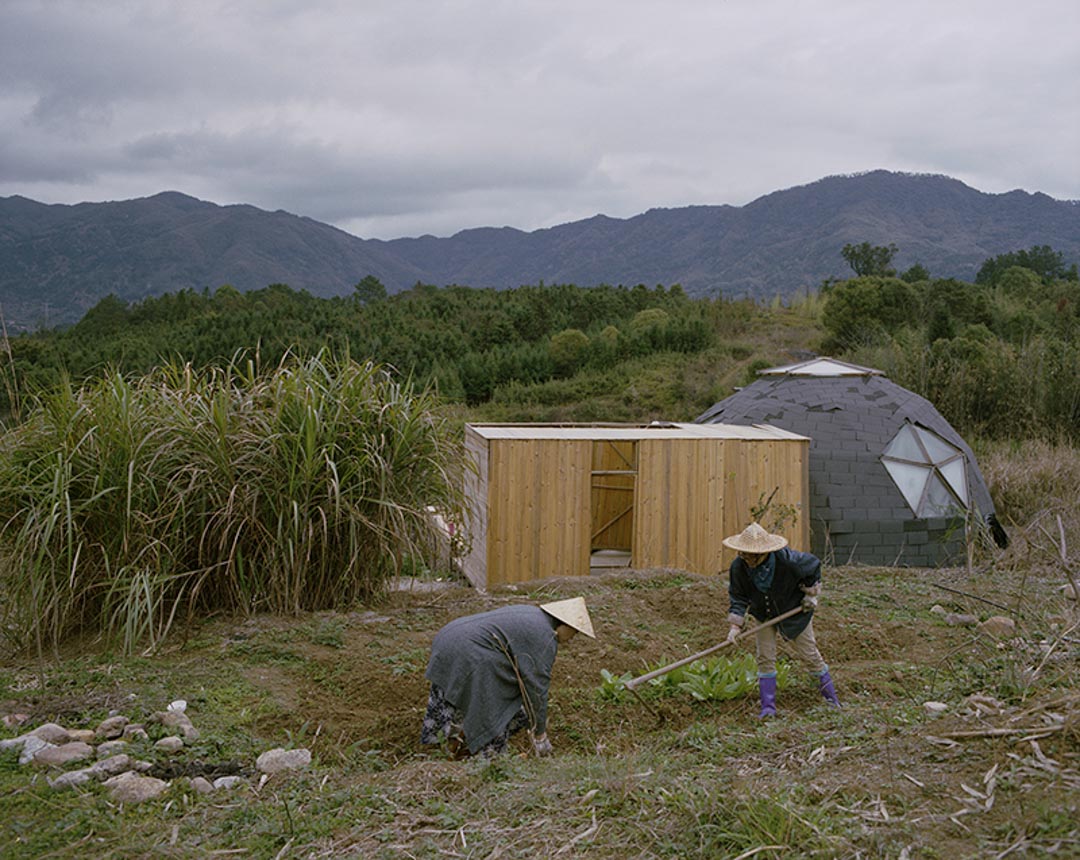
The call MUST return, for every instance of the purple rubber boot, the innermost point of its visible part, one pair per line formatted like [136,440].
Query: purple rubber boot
[828,691]
[767,690]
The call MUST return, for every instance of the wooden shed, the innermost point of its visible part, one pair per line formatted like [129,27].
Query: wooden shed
[551,499]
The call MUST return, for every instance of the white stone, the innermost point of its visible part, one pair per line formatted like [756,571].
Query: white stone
[277,760]
[13,743]
[111,766]
[202,785]
[72,778]
[227,782]
[179,705]
[170,744]
[58,756]
[935,707]
[111,728]
[999,626]
[52,733]
[32,745]
[957,619]
[135,730]
[129,787]
[111,748]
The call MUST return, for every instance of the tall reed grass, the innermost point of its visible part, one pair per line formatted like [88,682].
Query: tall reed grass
[127,504]
[1035,485]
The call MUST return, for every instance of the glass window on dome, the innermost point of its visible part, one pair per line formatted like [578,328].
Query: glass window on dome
[930,472]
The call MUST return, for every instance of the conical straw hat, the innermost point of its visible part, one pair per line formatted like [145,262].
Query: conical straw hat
[755,540]
[572,612]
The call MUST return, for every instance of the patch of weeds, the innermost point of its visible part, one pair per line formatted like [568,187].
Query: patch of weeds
[407,663]
[720,742]
[329,632]
[630,642]
[328,676]
[233,711]
[302,737]
[445,815]
[494,770]
[265,652]
[365,758]
[729,829]
[675,580]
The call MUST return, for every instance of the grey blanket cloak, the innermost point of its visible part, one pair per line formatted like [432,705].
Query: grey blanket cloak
[471,663]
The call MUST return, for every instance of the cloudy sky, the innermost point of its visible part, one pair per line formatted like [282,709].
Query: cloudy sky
[397,118]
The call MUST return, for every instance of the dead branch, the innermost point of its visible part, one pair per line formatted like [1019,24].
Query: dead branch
[990,733]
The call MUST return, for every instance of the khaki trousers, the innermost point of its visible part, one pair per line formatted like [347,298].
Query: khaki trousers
[804,645]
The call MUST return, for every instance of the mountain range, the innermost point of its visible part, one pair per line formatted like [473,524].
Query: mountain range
[57,260]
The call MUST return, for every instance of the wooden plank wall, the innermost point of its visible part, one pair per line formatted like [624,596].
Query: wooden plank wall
[692,493]
[538,509]
[754,470]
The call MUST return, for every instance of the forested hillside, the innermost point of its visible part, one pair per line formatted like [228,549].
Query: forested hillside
[56,262]
[999,355]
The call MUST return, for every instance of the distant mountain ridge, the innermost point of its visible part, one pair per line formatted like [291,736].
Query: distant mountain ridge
[57,261]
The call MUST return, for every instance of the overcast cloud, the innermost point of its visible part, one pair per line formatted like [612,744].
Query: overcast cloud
[405,117]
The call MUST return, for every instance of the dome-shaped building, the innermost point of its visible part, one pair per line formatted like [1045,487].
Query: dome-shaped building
[891,482]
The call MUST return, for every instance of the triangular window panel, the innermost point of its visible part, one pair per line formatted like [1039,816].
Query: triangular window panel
[939,502]
[955,476]
[938,449]
[910,479]
[904,446]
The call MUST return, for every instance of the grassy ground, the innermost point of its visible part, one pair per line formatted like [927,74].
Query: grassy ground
[880,778]
[997,774]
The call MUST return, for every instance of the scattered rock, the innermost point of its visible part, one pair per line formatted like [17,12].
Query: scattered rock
[13,743]
[136,731]
[278,760]
[957,619]
[31,746]
[111,766]
[129,787]
[177,720]
[58,756]
[999,626]
[111,748]
[202,785]
[228,782]
[171,744]
[52,733]
[71,779]
[938,609]
[935,707]
[113,727]
[13,721]
[87,736]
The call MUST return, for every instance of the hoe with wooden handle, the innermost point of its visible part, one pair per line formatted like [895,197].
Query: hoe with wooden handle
[663,670]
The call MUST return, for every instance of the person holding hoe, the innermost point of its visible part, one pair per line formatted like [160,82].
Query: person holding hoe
[490,675]
[767,579]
